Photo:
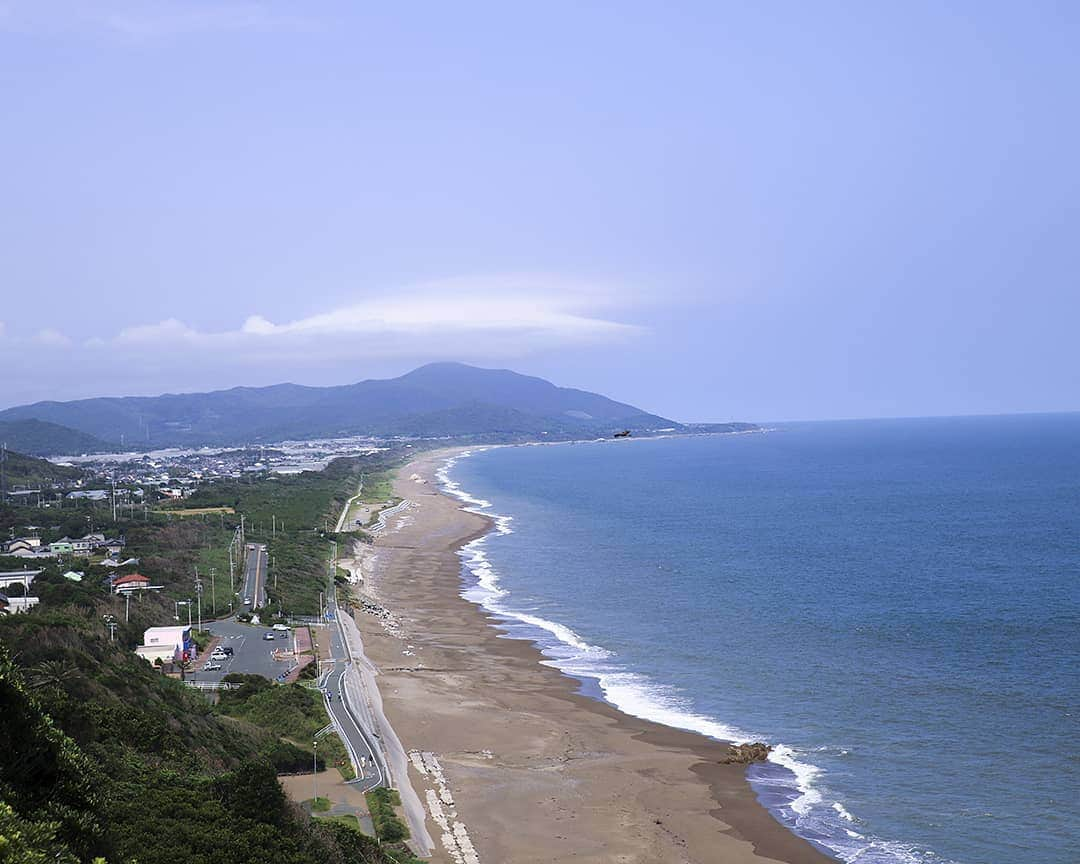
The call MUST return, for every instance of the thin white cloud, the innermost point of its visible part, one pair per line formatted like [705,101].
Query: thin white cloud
[489,320]
[536,310]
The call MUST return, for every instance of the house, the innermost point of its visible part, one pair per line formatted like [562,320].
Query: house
[62,547]
[80,546]
[167,644]
[114,546]
[95,540]
[23,544]
[74,575]
[131,582]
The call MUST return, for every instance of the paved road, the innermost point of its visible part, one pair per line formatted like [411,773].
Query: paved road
[356,682]
[358,740]
[253,591]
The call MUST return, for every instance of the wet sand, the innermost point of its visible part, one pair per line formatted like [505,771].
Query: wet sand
[533,771]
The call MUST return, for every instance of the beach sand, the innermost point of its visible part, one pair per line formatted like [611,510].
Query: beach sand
[530,770]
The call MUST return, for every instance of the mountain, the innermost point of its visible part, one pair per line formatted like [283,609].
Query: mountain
[41,438]
[440,399]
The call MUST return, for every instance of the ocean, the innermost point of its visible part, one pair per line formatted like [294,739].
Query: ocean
[893,605]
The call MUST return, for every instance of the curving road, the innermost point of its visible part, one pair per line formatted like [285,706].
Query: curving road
[351,718]
[358,715]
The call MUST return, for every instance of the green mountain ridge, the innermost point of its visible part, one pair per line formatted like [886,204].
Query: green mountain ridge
[21,471]
[36,437]
[434,400]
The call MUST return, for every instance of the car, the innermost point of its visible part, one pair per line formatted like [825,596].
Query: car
[281,627]
[224,649]
[268,636]
[219,658]
[282,635]
[211,667]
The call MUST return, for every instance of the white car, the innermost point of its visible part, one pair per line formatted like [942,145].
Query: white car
[211,667]
[219,656]
[282,627]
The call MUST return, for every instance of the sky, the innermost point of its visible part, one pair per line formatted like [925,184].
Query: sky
[714,211]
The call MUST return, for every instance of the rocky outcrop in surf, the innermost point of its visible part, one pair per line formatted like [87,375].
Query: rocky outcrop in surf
[744,754]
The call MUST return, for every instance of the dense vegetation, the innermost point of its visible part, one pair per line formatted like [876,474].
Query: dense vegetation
[104,757]
[40,438]
[292,712]
[22,471]
[295,516]
[388,826]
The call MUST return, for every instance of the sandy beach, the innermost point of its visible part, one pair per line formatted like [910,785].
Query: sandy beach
[513,764]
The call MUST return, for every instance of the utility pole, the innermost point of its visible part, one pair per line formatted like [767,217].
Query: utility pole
[273,526]
[114,497]
[314,773]
[127,606]
[213,592]
[198,595]
[110,622]
[3,474]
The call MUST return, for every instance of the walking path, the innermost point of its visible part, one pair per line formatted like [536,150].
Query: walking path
[345,510]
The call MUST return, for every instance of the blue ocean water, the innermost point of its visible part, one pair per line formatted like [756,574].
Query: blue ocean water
[895,605]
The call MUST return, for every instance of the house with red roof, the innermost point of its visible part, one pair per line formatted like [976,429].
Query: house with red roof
[132,582]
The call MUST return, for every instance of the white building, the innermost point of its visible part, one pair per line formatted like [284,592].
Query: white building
[167,644]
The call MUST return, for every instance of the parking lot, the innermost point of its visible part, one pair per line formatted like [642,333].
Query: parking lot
[252,653]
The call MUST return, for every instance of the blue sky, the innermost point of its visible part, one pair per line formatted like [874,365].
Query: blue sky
[755,211]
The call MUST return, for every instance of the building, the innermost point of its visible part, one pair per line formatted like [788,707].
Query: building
[18,577]
[79,546]
[74,575]
[167,644]
[132,582]
[14,605]
[23,544]
[114,546]
[89,495]
[62,547]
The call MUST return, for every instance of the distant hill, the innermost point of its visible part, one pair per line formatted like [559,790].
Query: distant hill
[440,399]
[41,438]
[21,471]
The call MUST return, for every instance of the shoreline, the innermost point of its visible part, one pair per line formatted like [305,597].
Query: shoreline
[535,769]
